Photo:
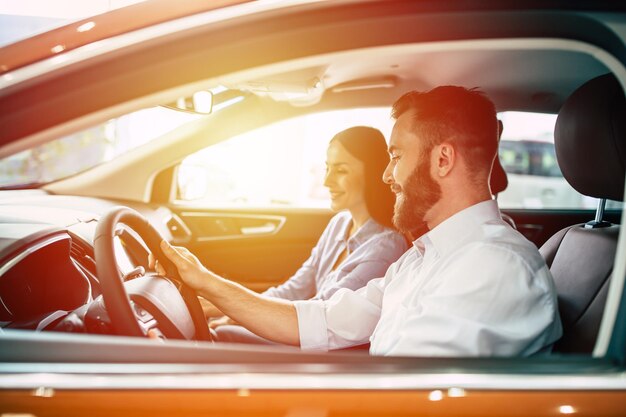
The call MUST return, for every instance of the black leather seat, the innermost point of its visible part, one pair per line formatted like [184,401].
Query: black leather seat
[498,180]
[590,141]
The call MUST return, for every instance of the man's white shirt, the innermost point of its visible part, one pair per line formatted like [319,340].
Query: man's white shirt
[472,286]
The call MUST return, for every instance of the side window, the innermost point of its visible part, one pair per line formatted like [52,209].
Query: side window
[282,164]
[528,156]
[83,150]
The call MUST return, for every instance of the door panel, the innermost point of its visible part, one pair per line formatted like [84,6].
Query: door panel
[539,225]
[257,248]
[262,248]
[222,226]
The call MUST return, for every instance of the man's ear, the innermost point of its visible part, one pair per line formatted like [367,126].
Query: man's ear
[444,158]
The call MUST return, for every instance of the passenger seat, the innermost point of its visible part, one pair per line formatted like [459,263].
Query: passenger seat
[590,142]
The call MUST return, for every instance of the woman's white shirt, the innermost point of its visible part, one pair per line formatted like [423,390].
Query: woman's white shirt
[370,251]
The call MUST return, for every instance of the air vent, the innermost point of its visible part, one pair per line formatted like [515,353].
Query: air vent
[82,255]
[76,251]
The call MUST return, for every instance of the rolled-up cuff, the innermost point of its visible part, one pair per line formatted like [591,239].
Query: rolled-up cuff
[312,324]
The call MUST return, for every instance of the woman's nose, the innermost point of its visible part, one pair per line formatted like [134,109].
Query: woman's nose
[328,180]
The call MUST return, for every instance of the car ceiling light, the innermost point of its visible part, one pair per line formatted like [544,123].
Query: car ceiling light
[296,92]
[365,84]
[86,27]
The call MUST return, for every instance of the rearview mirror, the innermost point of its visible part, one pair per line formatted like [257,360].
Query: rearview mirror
[201,102]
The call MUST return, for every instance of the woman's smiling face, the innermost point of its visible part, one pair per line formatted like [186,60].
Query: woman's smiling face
[345,179]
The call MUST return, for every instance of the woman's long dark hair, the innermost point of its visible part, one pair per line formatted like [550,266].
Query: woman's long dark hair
[368,146]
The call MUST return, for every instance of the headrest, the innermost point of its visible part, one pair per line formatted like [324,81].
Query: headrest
[498,180]
[590,138]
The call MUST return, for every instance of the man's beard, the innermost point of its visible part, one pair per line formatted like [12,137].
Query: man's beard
[418,195]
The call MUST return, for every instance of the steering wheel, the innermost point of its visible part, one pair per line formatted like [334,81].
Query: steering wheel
[167,308]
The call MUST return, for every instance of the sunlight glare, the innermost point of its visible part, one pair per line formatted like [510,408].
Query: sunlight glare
[436,395]
[61,9]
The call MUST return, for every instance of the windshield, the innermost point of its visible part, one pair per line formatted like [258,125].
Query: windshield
[78,152]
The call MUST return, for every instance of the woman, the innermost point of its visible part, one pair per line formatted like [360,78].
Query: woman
[359,242]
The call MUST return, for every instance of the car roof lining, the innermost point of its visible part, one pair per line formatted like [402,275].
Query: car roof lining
[235,49]
[439,63]
[144,164]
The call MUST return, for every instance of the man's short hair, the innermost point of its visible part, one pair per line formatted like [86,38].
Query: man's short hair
[465,117]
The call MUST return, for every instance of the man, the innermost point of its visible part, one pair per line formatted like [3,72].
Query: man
[469,286]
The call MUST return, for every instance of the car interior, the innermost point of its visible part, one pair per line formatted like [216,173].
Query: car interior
[59,263]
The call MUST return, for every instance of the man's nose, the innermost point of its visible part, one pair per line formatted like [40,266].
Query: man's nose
[388,174]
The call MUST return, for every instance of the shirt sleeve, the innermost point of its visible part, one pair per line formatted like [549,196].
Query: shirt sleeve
[347,319]
[502,307]
[381,252]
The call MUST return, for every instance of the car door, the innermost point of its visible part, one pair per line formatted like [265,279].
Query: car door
[258,248]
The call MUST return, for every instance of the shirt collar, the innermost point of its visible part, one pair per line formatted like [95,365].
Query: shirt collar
[367,230]
[454,231]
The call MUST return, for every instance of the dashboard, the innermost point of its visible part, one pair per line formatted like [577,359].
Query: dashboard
[48,276]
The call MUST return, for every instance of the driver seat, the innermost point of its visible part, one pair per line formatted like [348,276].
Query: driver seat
[590,142]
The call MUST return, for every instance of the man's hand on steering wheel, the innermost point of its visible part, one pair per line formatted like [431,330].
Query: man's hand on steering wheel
[174,307]
[190,269]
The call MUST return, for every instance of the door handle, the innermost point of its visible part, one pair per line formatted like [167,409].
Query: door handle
[259,230]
